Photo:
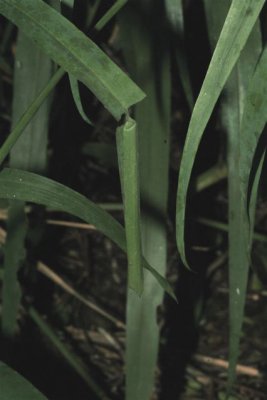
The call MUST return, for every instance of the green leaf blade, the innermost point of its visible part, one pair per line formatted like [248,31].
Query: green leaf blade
[127,145]
[238,25]
[26,186]
[75,52]
[233,111]
[143,23]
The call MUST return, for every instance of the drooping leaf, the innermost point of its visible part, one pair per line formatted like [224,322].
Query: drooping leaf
[30,187]
[75,52]
[127,148]
[237,27]
[14,386]
[74,84]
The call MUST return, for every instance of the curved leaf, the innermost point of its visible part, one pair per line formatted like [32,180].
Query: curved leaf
[74,85]
[75,52]
[237,27]
[26,186]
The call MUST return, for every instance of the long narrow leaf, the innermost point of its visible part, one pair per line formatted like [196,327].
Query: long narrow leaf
[74,85]
[238,25]
[75,52]
[127,147]
[27,186]
[143,27]
[252,125]
[232,111]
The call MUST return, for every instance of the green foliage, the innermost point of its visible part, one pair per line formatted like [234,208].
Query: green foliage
[237,27]
[75,52]
[127,145]
[233,115]
[34,188]
[148,33]
[143,25]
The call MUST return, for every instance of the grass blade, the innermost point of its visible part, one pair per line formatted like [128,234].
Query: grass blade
[252,125]
[34,188]
[143,27]
[14,386]
[75,52]
[127,147]
[237,27]
[239,231]
[74,85]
